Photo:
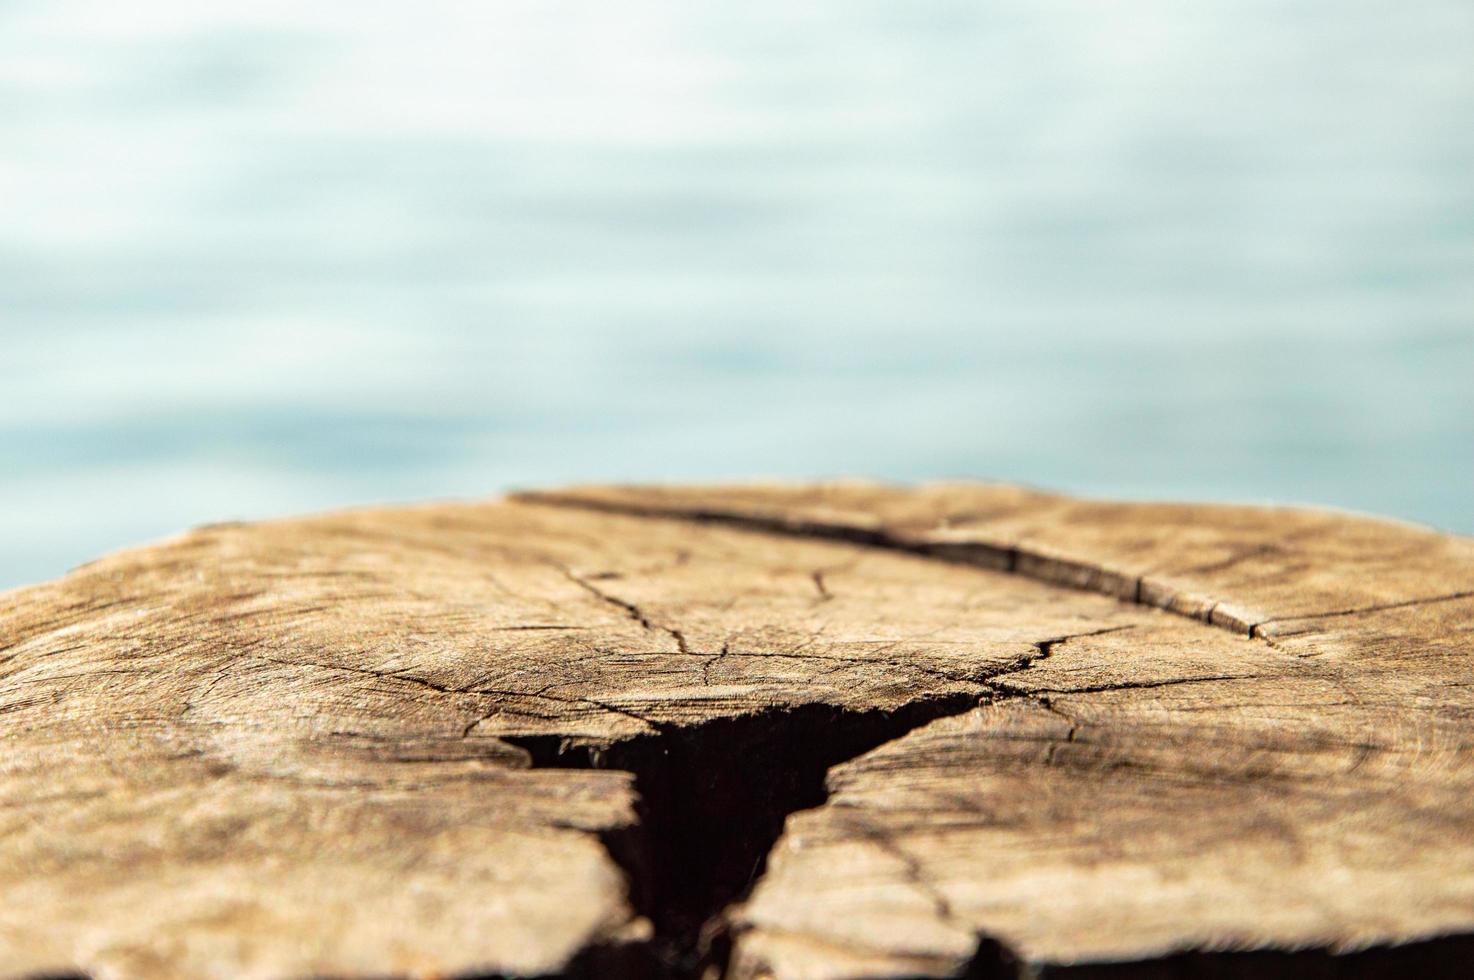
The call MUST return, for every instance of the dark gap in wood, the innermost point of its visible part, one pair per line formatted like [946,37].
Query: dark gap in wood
[1437,957]
[713,801]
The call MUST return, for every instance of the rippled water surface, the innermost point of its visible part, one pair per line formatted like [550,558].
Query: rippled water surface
[273,257]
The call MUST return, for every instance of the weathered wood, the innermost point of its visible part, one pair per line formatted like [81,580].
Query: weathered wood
[560,733]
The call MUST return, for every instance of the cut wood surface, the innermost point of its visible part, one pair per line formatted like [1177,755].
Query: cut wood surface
[826,731]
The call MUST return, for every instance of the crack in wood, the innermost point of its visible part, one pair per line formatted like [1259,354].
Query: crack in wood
[1064,572]
[629,608]
[714,797]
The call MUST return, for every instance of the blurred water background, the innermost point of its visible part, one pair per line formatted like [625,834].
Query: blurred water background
[274,257]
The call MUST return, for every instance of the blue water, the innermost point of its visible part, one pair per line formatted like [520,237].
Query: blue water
[259,259]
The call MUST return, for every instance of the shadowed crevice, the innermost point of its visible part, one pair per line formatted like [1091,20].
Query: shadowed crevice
[713,800]
[1437,957]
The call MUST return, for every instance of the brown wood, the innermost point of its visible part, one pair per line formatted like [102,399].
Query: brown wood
[800,732]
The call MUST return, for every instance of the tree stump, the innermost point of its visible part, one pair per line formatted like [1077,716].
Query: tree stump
[811,732]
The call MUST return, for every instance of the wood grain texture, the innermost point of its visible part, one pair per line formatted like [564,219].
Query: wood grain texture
[1010,733]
